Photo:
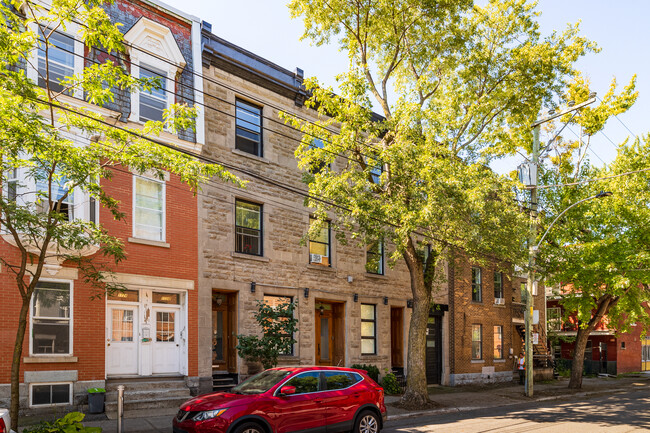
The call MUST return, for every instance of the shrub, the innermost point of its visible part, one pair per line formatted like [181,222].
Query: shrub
[70,423]
[372,370]
[390,385]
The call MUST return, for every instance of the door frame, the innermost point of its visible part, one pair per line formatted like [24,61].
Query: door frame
[229,307]
[337,347]
[145,308]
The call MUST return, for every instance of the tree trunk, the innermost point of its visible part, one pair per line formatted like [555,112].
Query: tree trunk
[15,363]
[578,358]
[416,395]
[603,303]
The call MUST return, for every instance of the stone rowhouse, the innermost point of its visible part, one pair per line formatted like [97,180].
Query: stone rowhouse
[151,330]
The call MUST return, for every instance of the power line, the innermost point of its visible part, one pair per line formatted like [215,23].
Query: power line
[627,173]
[619,119]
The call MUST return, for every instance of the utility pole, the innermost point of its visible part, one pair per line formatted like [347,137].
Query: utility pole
[532,235]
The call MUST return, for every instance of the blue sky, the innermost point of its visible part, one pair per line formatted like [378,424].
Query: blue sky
[620,29]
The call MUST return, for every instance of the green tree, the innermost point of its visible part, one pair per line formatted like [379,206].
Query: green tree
[278,326]
[457,85]
[598,251]
[36,125]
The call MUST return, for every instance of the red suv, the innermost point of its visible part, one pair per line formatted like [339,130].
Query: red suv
[282,400]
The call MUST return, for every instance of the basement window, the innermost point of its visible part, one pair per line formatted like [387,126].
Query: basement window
[50,394]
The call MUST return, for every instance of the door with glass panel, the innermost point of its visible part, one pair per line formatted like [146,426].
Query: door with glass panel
[166,340]
[122,340]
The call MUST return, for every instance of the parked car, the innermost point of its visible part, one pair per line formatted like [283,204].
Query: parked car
[283,400]
[5,421]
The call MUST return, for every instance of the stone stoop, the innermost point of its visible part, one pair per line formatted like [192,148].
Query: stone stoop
[223,381]
[147,396]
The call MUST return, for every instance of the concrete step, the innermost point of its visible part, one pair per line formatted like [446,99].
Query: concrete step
[139,385]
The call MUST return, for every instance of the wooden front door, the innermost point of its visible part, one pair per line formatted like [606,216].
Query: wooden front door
[397,337]
[330,337]
[224,329]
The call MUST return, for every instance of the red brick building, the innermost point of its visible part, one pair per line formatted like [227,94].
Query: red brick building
[149,331]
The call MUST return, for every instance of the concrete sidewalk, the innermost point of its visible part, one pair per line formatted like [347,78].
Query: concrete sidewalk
[448,399]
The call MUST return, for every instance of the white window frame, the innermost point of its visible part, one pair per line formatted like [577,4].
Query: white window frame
[71,321]
[157,41]
[164,207]
[70,394]
[72,31]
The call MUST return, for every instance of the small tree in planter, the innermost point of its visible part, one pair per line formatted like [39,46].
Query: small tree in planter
[278,325]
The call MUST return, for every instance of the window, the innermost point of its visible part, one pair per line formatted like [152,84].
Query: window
[124,295]
[375,172]
[58,190]
[339,380]
[149,207]
[554,321]
[276,301]
[165,326]
[498,287]
[319,246]
[623,345]
[51,317]
[166,298]
[11,177]
[248,122]
[368,329]
[477,338]
[154,101]
[477,295]
[60,59]
[498,342]
[375,258]
[248,228]
[318,164]
[305,382]
[423,252]
[50,394]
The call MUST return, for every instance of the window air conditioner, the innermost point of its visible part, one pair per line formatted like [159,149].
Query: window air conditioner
[500,301]
[315,258]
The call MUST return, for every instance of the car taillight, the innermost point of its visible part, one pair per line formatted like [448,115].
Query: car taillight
[3,427]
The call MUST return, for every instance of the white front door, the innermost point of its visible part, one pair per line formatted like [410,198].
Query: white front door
[166,340]
[122,340]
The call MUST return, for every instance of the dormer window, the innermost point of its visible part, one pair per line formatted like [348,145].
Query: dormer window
[154,101]
[157,56]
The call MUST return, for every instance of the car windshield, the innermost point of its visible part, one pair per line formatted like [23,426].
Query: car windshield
[261,382]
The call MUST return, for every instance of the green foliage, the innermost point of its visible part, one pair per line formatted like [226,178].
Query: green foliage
[372,370]
[70,423]
[390,385]
[278,326]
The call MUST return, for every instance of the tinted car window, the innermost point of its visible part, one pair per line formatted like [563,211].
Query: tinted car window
[305,382]
[261,382]
[339,379]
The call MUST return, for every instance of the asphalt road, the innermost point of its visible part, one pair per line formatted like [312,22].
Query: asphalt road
[627,411]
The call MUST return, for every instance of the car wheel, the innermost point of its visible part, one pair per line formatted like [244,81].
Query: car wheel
[367,422]
[249,427]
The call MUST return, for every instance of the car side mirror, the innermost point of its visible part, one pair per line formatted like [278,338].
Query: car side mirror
[288,390]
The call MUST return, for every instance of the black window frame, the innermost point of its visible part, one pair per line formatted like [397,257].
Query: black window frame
[329,243]
[501,291]
[260,230]
[379,254]
[374,322]
[240,142]
[477,287]
[320,166]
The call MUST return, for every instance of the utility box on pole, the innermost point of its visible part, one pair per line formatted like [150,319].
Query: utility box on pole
[528,173]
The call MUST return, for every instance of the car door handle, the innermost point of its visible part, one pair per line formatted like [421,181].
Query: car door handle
[356,395]
[318,400]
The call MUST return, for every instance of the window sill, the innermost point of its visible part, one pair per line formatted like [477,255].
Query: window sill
[377,276]
[321,268]
[477,302]
[248,257]
[149,242]
[478,361]
[251,156]
[289,360]
[500,305]
[49,359]
[499,361]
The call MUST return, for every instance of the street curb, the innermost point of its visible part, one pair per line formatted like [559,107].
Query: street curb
[447,410]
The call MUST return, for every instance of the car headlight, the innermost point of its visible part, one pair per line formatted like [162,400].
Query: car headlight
[208,414]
